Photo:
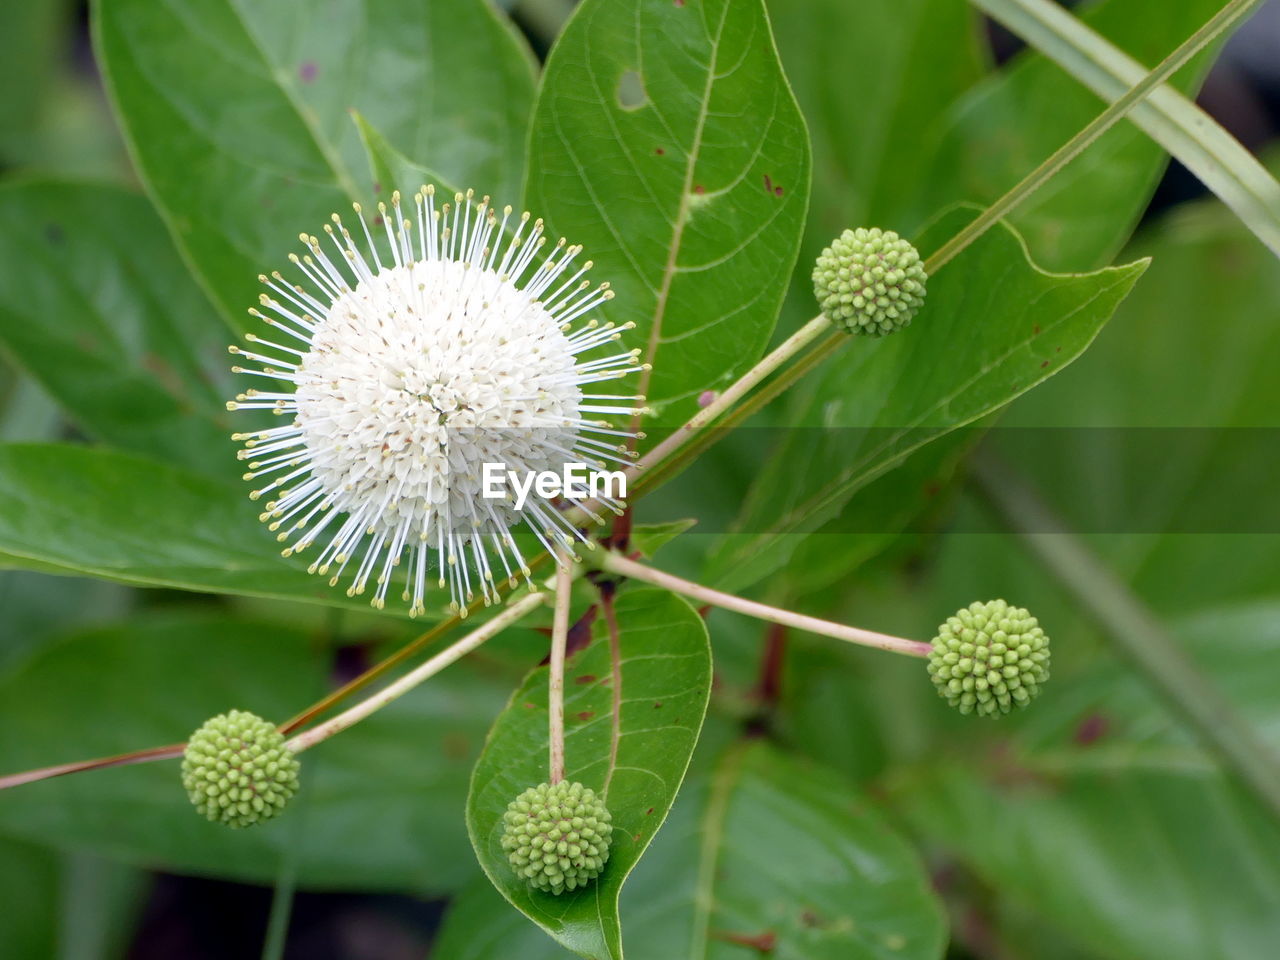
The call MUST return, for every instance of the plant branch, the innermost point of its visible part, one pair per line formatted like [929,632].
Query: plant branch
[430,668]
[555,674]
[1225,18]
[400,656]
[1134,630]
[616,563]
[810,332]
[119,760]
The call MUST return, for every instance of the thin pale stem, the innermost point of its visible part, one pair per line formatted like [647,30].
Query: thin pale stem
[359,683]
[397,658]
[449,655]
[616,563]
[555,675]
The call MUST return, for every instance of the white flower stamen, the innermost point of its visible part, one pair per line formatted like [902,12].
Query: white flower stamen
[466,347]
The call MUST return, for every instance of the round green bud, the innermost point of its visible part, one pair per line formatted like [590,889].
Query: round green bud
[869,281]
[237,770]
[989,658]
[556,836]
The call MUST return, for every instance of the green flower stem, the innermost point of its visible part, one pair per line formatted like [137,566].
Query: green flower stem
[287,875]
[616,563]
[1134,630]
[170,752]
[1223,20]
[555,677]
[393,691]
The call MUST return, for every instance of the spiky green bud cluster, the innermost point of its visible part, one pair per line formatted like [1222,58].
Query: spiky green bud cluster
[869,281]
[989,658]
[237,770]
[556,836]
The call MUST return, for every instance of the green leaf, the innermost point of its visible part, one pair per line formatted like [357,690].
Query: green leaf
[875,80]
[648,538]
[666,141]
[1168,117]
[383,800]
[116,331]
[1103,818]
[448,82]
[772,857]
[68,509]
[637,761]
[1019,116]
[994,326]
[391,169]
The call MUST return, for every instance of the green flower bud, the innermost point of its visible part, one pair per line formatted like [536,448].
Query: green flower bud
[237,770]
[556,836]
[989,658]
[869,281]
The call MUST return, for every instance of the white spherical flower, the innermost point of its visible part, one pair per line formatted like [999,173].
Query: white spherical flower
[459,343]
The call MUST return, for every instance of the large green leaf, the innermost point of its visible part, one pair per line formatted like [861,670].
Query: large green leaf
[116,331]
[1104,819]
[70,509]
[771,857]
[636,759]
[1007,125]
[381,804]
[995,325]
[666,141]
[238,113]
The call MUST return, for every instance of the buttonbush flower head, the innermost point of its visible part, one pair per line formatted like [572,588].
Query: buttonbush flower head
[463,339]
[869,281]
[237,770]
[556,836]
[989,658]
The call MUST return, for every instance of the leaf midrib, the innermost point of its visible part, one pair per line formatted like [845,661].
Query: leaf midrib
[682,214]
[341,175]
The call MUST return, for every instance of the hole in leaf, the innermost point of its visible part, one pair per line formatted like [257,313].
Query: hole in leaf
[631,95]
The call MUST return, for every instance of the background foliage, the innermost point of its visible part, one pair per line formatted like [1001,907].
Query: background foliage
[834,807]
